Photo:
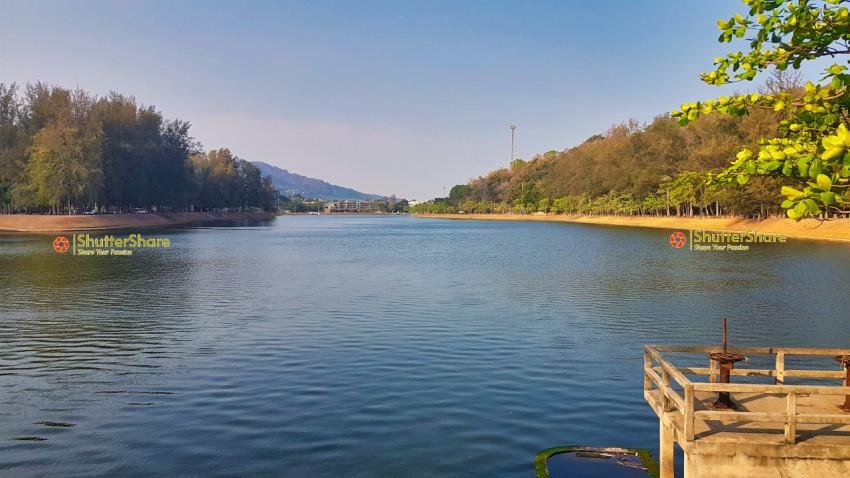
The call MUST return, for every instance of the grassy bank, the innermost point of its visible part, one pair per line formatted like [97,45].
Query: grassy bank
[44,223]
[833,230]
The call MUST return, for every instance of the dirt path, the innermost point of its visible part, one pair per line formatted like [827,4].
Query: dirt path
[45,223]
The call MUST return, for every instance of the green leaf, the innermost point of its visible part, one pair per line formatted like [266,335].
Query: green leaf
[800,209]
[778,155]
[740,31]
[815,168]
[792,213]
[773,165]
[742,179]
[827,197]
[744,154]
[832,152]
[750,167]
[787,203]
[812,206]
[792,193]
[824,182]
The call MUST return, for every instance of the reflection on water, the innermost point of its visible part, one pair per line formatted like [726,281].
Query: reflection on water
[372,346]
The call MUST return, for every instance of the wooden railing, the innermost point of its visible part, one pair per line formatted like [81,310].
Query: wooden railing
[661,374]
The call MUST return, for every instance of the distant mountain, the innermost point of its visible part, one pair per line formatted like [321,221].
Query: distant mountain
[290,184]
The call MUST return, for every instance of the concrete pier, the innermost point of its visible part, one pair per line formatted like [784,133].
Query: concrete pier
[777,430]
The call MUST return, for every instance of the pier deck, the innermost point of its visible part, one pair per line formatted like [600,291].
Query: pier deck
[777,429]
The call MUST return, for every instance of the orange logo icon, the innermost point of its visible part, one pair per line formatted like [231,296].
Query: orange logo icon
[60,244]
[677,239]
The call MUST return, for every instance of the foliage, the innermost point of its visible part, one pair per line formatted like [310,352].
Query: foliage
[399,206]
[655,168]
[62,149]
[298,204]
[459,192]
[223,180]
[63,167]
[433,208]
[812,148]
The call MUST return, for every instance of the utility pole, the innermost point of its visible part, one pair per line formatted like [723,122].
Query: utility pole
[513,129]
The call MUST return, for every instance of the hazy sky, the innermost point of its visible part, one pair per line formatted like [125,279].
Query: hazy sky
[386,97]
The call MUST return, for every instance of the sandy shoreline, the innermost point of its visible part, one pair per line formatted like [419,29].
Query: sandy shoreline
[832,230]
[46,223]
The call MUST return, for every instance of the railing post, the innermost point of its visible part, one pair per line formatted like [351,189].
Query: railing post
[712,371]
[647,365]
[665,385]
[791,418]
[780,368]
[688,413]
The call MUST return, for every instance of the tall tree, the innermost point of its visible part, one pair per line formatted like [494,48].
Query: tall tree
[63,167]
[13,143]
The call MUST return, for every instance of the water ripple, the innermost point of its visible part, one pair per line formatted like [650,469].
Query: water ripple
[370,346]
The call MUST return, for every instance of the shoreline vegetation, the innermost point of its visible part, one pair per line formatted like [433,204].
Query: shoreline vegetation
[829,230]
[67,151]
[63,223]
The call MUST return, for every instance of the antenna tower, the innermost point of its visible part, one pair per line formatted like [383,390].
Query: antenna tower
[513,129]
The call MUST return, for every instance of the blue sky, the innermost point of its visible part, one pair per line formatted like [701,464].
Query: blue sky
[387,97]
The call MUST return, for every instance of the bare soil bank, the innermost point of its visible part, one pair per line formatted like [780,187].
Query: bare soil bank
[832,230]
[45,223]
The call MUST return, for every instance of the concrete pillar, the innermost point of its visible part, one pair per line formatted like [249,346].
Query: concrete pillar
[665,461]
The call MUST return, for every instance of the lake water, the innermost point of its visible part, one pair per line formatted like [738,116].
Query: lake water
[372,346]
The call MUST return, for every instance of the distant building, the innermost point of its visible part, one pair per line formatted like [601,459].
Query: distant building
[351,205]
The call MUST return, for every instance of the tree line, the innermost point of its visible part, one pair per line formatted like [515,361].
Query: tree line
[657,168]
[65,150]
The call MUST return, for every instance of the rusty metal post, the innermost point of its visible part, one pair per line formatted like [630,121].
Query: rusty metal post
[723,400]
[727,363]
